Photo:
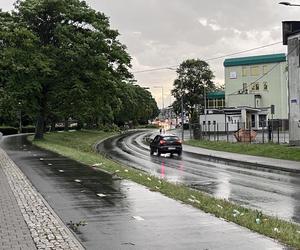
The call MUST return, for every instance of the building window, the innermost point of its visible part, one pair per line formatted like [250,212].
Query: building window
[220,103]
[262,120]
[244,71]
[211,104]
[233,75]
[254,70]
[265,84]
[265,69]
[255,86]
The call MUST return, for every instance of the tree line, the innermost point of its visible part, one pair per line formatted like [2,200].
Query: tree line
[60,59]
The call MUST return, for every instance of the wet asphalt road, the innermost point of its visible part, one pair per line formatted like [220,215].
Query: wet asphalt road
[274,192]
[130,216]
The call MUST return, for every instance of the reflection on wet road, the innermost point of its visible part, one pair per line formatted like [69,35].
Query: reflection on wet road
[274,192]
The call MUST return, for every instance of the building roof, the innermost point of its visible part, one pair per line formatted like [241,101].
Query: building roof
[216,95]
[251,60]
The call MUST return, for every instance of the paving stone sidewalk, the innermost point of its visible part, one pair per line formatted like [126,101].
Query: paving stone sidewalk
[26,220]
[14,232]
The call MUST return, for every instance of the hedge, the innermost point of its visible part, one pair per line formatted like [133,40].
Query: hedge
[8,130]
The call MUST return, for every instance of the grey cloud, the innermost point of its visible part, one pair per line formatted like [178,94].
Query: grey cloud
[161,33]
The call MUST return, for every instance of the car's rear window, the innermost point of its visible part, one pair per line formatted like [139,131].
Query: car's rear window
[171,138]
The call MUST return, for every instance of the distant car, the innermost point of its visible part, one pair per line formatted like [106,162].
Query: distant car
[166,144]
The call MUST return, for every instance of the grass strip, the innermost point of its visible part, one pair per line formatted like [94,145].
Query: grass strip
[271,150]
[79,146]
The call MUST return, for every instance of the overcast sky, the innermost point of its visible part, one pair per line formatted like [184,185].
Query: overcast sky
[161,33]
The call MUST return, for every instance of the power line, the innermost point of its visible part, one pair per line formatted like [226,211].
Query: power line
[244,51]
[208,59]
[155,69]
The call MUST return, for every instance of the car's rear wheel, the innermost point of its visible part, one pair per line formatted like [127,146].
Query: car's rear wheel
[158,152]
[151,151]
[179,152]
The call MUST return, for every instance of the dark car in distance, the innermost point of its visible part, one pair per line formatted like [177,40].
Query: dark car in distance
[166,144]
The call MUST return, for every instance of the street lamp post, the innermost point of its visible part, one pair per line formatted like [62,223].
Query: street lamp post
[289,4]
[162,95]
[162,98]
[182,120]
[204,91]
[20,118]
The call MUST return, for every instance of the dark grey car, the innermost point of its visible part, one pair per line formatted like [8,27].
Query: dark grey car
[166,144]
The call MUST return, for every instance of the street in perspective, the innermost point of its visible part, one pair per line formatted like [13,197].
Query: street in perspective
[149,125]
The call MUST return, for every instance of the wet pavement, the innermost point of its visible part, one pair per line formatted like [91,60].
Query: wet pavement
[122,214]
[274,192]
[27,221]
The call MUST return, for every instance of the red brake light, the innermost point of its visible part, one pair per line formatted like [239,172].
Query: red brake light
[179,141]
[161,142]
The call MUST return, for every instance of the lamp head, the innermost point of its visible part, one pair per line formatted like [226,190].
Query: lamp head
[285,3]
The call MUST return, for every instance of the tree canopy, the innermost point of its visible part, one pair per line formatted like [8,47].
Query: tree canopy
[194,78]
[61,60]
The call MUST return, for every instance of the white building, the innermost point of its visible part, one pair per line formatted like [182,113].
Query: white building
[229,119]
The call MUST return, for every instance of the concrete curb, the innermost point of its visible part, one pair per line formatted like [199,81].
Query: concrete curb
[238,163]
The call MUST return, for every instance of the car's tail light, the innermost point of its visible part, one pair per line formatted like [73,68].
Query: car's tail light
[179,141]
[161,142]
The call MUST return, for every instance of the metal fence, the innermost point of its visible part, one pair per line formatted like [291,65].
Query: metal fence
[273,131]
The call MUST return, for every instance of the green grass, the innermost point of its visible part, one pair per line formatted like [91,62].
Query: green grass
[271,150]
[78,146]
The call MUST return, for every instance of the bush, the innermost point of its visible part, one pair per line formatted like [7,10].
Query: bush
[8,130]
[186,126]
[109,128]
[152,126]
[28,129]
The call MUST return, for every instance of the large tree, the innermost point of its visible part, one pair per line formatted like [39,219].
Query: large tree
[193,80]
[22,65]
[62,59]
[137,105]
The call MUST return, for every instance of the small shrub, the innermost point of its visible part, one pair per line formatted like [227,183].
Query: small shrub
[28,129]
[151,126]
[8,130]
[186,126]
[109,128]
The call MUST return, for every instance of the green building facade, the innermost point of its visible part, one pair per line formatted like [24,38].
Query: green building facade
[258,82]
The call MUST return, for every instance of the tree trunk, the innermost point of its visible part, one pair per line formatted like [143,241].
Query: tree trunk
[52,126]
[66,124]
[79,124]
[40,124]
[39,129]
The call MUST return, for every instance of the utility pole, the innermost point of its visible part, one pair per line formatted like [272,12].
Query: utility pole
[162,99]
[20,120]
[204,103]
[182,120]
